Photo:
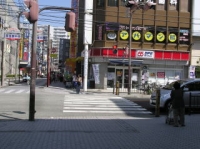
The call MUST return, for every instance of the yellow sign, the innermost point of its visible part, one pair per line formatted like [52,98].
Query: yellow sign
[148,36]
[54,55]
[160,37]
[124,35]
[172,37]
[136,35]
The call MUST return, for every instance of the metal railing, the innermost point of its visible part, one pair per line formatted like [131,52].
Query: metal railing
[136,88]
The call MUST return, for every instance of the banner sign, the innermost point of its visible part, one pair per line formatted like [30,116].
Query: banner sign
[160,74]
[145,54]
[96,73]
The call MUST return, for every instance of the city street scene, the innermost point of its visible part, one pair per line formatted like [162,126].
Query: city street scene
[104,74]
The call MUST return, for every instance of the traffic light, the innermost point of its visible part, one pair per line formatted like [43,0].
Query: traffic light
[114,49]
[32,15]
[70,22]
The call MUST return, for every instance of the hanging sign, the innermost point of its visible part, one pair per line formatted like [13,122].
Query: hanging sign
[136,35]
[172,37]
[124,35]
[148,36]
[160,37]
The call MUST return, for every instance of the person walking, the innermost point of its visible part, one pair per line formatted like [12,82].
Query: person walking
[178,105]
[79,84]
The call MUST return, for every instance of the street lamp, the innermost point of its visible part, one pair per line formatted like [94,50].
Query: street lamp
[134,5]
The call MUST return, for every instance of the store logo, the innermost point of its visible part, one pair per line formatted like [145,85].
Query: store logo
[145,54]
[111,35]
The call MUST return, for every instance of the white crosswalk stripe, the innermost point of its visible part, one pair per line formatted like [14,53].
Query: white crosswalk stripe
[14,91]
[98,104]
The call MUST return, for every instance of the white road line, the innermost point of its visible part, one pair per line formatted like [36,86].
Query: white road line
[1,90]
[19,91]
[9,91]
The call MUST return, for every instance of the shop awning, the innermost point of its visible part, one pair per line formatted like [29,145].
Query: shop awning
[74,59]
[125,61]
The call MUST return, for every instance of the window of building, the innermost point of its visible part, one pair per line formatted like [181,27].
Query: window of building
[100,3]
[113,3]
[185,6]
[123,2]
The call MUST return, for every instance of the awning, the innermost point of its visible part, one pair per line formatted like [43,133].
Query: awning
[74,59]
[23,64]
[125,61]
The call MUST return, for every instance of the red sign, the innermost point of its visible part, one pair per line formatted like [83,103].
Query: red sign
[160,74]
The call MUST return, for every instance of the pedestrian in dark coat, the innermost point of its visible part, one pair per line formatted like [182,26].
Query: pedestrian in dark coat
[178,105]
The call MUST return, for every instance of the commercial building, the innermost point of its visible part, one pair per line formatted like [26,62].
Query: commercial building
[161,42]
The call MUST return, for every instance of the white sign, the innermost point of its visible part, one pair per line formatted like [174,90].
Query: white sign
[111,76]
[134,77]
[145,54]
[192,72]
[96,73]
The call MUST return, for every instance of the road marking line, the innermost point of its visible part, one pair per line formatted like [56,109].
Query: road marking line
[19,91]
[9,91]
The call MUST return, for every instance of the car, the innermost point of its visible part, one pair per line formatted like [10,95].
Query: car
[189,86]
[25,78]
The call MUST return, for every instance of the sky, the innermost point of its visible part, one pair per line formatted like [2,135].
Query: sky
[53,18]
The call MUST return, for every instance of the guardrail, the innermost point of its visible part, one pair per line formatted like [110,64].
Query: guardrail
[136,88]
[194,103]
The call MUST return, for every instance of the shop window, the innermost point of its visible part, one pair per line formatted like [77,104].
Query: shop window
[113,3]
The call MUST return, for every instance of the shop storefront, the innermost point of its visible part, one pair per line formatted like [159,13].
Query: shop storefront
[160,67]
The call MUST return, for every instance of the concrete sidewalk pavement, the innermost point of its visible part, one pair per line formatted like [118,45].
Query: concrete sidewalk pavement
[99,133]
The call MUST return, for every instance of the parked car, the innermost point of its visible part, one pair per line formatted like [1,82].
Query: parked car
[189,86]
[25,78]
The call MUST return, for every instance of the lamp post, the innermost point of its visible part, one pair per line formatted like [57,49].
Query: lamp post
[134,5]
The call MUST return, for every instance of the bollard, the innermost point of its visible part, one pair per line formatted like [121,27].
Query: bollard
[117,88]
[157,108]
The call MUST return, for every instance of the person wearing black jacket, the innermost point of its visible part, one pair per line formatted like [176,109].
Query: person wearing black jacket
[178,105]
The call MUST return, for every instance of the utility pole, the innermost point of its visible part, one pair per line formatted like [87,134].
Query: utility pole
[4,47]
[48,58]
[87,38]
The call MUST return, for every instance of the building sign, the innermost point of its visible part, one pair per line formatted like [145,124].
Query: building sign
[145,54]
[172,37]
[184,36]
[160,74]
[136,35]
[160,37]
[124,35]
[111,35]
[148,36]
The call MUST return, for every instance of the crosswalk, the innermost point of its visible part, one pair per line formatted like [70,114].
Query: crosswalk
[93,104]
[14,91]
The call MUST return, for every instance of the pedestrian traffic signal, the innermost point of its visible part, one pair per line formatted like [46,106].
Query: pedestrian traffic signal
[115,49]
[70,22]
[32,15]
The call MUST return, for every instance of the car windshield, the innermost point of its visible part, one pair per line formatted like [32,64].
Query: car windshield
[171,85]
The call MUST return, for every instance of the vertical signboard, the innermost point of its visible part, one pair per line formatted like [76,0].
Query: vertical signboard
[74,35]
